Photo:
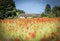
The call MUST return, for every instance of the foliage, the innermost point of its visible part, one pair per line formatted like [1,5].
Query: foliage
[48,9]
[56,10]
[36,16]
[43,15]
[10,14]
[19,11]
[6,8]
[51,15]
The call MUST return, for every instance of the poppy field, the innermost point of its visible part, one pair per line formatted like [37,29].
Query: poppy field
[30,29]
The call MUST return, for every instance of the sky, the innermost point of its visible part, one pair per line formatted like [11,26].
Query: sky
[35,6]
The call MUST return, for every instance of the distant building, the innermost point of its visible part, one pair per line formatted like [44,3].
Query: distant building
[23,15]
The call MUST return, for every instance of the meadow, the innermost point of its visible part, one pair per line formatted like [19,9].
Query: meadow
[30,29]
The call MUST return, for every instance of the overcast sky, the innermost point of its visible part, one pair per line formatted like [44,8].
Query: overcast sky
[35,6]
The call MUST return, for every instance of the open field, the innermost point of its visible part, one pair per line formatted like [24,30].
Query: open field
[30,29]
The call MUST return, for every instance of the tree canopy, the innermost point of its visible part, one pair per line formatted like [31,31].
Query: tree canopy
[56,11]
[7,6]
[48,9]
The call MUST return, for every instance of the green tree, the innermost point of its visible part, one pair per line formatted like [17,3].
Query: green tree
[48,9]
[44,15]
[51,15]
[19,11]
[5,7]
[56,11]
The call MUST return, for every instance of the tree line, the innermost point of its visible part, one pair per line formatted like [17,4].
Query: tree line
[51,12]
